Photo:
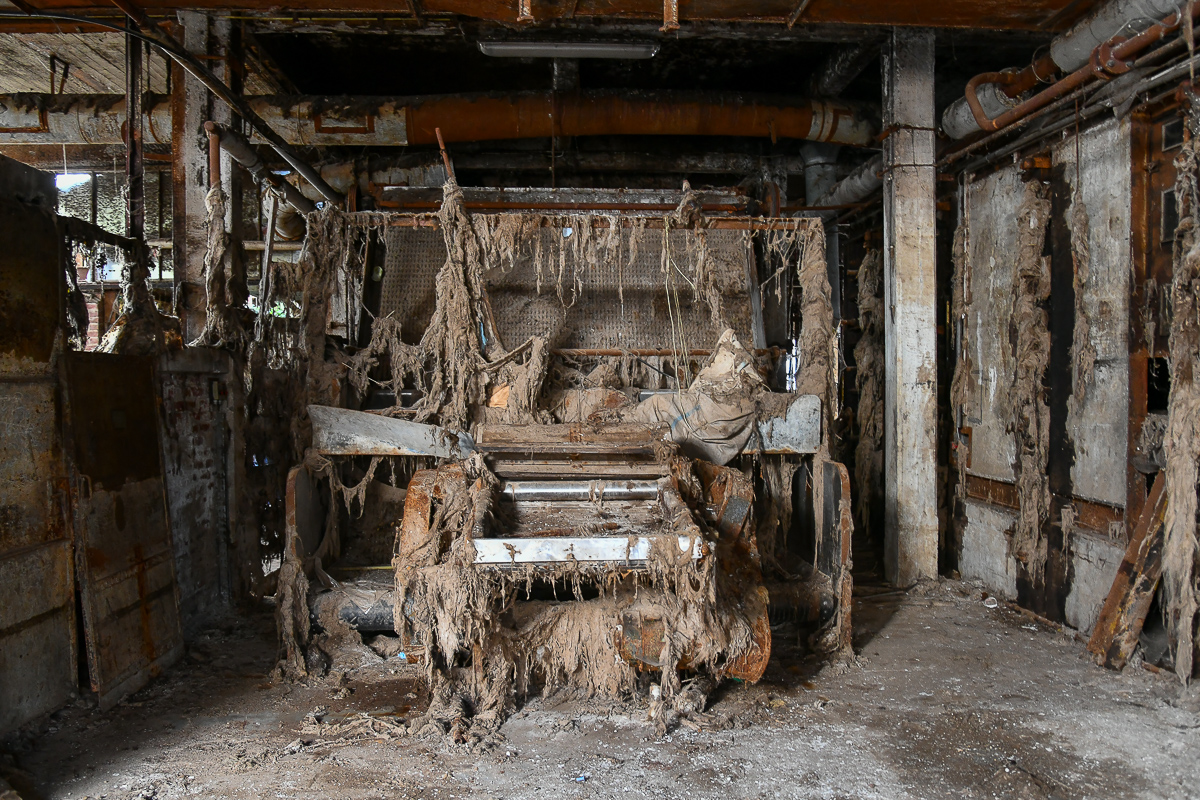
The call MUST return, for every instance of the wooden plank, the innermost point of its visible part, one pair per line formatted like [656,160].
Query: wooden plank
[1120,623]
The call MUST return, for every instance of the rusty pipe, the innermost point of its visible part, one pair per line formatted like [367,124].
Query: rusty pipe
[243,153]
[383,121]
[1107,61]
[487,117]
[214,156]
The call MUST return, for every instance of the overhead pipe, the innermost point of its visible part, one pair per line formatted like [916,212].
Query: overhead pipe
[96,119]
[1092,48]
[244,154]
[487,117]
[855,187]
[820,168]
[145,30]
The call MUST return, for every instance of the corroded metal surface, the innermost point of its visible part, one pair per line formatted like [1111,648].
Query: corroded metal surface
[124,554]
[37,614]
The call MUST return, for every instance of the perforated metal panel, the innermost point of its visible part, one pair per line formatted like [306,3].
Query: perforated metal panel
[620,303]
[412,260]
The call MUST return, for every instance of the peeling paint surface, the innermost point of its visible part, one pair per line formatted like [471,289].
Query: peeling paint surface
[194,471]
[124,551]
[1094,560]
[992,206]
[986,552]
[37,614]
[1101,430]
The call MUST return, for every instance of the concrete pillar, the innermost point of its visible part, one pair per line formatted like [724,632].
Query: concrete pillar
[189,174]
[910,334]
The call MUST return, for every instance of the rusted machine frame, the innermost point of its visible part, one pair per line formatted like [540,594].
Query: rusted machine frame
[728,511]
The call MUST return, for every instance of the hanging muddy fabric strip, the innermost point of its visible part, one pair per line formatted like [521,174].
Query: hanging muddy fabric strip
[869,368]
[1181,444]
[960,303]
[1027,412]
[1083,351]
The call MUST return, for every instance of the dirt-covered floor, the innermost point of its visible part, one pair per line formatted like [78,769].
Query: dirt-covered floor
[952,699]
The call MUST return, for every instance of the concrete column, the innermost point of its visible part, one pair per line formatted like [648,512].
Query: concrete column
[189,174]
[910,278]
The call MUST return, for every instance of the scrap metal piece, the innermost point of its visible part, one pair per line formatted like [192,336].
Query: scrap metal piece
[343,432]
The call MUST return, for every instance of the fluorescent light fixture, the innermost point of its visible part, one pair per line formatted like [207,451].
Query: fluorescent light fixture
[569,49]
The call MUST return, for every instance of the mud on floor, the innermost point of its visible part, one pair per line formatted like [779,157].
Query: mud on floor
[950,699]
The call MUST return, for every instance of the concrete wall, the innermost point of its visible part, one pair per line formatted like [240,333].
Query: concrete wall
[195,448]
[986,553]
[1101,428]
[1094,562]
[991,207]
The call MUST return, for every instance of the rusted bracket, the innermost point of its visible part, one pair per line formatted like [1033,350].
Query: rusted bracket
[1105,64]
[797,12]
[670,16]
[445,155]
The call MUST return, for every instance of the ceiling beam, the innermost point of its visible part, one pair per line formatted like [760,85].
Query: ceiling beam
[984,14]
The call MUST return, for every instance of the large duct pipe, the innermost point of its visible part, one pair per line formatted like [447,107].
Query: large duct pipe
[855,187]
[243,153]
[375,121]
[542,114]
[999,92]
[820,169]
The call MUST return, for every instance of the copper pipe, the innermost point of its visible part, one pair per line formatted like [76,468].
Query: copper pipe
[214,155]
[1107,61]
[486,117]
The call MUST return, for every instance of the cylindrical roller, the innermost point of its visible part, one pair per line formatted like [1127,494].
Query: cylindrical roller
[580,490]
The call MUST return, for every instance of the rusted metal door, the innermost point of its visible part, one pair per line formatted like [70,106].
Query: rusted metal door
[37,613]
[124,555]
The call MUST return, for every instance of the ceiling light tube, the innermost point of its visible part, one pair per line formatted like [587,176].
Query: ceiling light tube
[569,49]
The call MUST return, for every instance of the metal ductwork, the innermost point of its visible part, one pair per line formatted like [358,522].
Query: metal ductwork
[855,187]
[820,169]
[1000,92]
[375,121]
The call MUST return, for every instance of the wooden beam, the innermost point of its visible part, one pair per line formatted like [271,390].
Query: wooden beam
[1120,624]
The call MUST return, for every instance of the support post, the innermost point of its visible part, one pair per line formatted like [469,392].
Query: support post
[135,171]
[227,44]
[910,306]
[189,175]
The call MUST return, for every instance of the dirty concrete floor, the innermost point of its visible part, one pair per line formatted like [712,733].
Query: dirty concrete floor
[950,699]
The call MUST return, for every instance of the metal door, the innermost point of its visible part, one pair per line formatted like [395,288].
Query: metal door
[124,555]
[37,614]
